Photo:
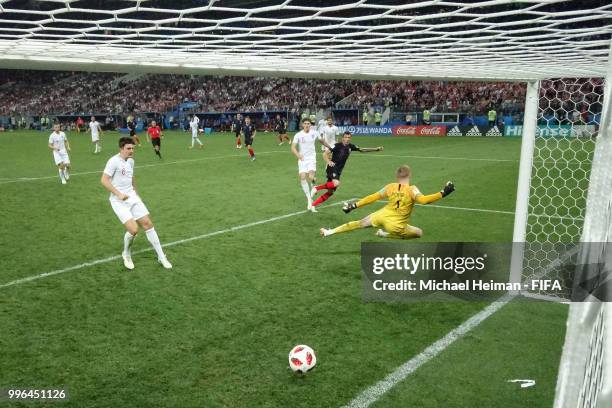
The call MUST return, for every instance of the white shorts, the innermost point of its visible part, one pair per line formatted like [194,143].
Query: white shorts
[194,133]
[95,138]
[307,165]
[61,157]
[132,208]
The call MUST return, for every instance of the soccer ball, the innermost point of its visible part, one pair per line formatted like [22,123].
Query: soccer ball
[302,359]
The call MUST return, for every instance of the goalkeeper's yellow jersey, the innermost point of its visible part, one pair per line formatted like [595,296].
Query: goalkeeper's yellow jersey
[401,200]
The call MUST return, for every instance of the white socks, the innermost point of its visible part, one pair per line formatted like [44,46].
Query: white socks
[154,240]
[306,189]
[61,174]
[195,139]
[128,239]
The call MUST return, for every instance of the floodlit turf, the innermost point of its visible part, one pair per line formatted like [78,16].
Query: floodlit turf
[215,331]
[479,369]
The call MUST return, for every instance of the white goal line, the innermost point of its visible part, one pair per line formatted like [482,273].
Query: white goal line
[373,393]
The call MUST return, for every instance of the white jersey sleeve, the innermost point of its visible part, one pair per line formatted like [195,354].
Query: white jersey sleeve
[111,167]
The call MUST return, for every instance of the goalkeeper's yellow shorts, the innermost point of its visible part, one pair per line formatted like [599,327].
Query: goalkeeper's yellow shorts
[389,221]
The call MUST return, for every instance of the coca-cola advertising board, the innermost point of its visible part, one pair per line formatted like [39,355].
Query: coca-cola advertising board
[406,130]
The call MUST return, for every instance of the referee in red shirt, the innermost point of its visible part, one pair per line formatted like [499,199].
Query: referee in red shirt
[155,133]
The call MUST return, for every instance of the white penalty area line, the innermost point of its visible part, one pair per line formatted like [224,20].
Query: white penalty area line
[21,179]
[485,210]
[556,217]
[169,244]
[441,158]
[483,159]
[373,393]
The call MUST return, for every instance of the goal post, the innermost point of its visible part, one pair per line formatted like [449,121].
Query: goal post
[559,166]
[524,182]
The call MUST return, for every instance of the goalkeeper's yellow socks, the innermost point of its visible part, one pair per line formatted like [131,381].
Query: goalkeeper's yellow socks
[349,226]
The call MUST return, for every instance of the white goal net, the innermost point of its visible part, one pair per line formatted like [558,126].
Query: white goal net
[564,218]
[568,124]
[496,39]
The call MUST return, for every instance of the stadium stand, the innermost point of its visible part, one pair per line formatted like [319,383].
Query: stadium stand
[50,92]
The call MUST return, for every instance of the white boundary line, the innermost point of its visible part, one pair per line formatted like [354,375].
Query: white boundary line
[467,209]
[569,162]
[169,244]
[557,217]
[21,179]
[372,394]
[211,234]
[440,158]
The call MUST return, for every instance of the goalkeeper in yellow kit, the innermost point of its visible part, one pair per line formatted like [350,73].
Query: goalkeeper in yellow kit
[393,218]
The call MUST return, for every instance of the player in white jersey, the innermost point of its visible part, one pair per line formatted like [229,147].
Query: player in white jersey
[58,142]
[96,131]
[322,123]
[329,133]
[118,179]
[307,157]
[194,124]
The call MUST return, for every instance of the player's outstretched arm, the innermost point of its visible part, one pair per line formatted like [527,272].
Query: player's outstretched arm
[372,198]
[370,149]
[449,187]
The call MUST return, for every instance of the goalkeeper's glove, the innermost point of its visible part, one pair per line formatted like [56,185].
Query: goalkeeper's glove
[448,188]
[348,207]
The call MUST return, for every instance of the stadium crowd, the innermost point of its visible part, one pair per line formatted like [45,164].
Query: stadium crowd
[50,92]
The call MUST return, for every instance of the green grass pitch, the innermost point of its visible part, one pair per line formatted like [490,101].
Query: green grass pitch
[215,330]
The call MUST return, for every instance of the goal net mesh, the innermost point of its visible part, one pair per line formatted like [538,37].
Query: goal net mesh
[569,115]
[497,39]
[585,372]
